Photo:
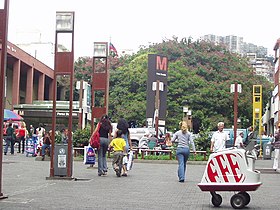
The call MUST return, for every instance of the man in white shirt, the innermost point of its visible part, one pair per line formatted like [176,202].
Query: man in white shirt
[239,141]
[219,138]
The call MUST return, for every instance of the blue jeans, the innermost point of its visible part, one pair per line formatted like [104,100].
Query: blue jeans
[9,142]
[44,147]
[101,155]
[182,154]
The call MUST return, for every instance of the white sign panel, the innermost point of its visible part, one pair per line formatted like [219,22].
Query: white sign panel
[61,163]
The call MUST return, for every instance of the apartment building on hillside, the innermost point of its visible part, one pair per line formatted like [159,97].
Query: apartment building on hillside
[262,66]
[236,44]
[257,55]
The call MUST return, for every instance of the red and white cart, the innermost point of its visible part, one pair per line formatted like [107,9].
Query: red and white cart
[231,170]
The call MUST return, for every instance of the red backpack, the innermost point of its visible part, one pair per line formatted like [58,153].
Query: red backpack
[95,138]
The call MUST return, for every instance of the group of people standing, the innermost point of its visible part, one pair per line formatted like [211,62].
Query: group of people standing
[16,134]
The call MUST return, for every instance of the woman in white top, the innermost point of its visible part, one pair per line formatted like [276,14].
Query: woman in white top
[40,132]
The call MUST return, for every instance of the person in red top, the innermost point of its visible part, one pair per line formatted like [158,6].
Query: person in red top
[22,134]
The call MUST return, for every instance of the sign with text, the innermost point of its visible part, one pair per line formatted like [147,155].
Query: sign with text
[157,73]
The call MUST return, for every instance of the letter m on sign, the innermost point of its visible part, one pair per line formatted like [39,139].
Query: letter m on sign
[161,63]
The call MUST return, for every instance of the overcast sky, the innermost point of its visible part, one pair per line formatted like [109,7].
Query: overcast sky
[130,23]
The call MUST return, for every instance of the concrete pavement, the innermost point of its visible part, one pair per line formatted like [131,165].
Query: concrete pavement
[150,185]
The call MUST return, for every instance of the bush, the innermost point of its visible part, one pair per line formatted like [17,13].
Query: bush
[81,137]
[203,141]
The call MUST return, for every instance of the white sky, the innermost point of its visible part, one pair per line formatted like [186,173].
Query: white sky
[130,23]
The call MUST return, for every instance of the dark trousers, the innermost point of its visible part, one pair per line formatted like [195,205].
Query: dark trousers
[9,142]
[21,141]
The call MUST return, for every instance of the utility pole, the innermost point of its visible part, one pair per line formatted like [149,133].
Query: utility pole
[157,105]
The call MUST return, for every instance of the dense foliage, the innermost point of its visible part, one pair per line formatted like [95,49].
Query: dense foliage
[198,72]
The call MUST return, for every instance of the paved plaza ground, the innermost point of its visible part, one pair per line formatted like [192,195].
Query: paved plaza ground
[150,185]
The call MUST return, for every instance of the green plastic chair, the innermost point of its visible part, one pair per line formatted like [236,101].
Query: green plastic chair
[151,144]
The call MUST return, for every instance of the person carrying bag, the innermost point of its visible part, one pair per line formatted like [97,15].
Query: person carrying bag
[103,130]
[95,138]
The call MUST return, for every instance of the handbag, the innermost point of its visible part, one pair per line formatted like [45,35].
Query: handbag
[89,155]
[95,138]
[130,160]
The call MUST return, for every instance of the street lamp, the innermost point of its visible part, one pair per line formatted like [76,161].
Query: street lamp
[65,21]
[63,65]
[100,50]
[157,87]
[235,88]
[100,82]
[4,10]
[187,114]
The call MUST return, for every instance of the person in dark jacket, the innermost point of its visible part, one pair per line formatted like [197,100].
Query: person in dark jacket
[10,139]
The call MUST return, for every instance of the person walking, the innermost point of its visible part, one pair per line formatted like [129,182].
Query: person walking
[219,138]
[276,144]
[183,149]
[119,146]
[123,126]
[10,139]
[105,132]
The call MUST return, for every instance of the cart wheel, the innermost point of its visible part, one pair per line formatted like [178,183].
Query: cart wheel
[237,201]
[217,200]
[247,197]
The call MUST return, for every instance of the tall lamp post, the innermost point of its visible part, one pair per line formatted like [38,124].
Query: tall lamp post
[235,88]
[4,10]
[187,115]
[63,65]
[100,81]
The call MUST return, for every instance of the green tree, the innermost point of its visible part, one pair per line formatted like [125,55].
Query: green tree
[199,72]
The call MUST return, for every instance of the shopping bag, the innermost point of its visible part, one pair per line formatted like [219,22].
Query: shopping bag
[130,158]
[89,155]
[95,138]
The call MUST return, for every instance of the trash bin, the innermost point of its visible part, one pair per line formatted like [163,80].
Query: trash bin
[60,160]
[267,149]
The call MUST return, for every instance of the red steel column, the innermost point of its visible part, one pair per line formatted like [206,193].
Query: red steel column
[41,87]
[51,90]
[4,13]
[16,80]
[29,86]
